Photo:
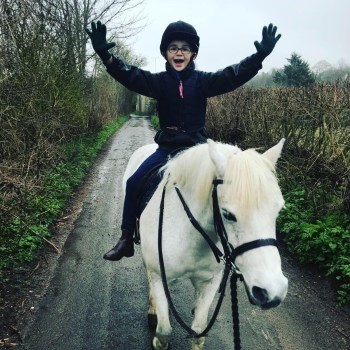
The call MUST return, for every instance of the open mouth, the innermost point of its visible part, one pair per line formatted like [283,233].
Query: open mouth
[178,61]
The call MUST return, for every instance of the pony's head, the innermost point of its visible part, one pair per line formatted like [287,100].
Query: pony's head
[250,200]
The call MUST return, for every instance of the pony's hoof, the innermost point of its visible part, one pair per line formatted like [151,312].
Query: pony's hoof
[152,322]
[157,345]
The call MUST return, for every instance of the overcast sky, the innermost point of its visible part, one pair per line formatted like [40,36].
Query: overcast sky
[315,29]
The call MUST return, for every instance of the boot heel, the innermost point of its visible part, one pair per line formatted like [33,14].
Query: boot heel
[129,254]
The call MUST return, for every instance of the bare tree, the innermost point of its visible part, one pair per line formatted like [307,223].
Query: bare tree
[121,16]
[43,56]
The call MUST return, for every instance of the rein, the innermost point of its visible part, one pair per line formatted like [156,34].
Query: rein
[178,318]
[229,256]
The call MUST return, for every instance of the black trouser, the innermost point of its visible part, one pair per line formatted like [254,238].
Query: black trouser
[160,156]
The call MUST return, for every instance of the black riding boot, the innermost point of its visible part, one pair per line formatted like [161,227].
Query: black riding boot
[125,247]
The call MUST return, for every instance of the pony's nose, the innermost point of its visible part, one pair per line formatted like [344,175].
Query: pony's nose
[260,295]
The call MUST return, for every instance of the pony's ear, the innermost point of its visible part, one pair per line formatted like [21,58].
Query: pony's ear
[274,152]
[217,158]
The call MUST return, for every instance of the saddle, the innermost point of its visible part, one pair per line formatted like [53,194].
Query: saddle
[146,189]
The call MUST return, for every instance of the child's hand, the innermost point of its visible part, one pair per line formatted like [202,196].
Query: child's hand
[269,40]
[98,40]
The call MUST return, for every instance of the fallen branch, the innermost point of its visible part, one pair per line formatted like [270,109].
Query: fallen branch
[7,342]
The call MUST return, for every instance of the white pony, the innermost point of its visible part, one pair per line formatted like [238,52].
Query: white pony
[250,200]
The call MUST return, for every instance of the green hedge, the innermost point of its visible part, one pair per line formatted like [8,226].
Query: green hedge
[314,167]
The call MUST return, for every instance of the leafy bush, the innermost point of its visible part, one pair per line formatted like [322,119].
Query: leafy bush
[155,122]
[321,241]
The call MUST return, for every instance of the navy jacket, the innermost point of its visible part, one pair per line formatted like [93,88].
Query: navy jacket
[185,111]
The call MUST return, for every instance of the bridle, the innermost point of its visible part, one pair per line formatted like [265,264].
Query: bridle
[230,253]
[228,257]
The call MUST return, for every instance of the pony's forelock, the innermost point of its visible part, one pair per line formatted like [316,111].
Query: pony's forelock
[250,180]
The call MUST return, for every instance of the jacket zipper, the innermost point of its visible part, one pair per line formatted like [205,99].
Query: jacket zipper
[181,89]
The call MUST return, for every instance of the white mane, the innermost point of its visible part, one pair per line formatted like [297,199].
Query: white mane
[249,177]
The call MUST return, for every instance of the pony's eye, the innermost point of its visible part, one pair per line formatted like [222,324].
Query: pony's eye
[228,216]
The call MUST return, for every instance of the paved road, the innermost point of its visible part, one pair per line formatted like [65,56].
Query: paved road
[93,304]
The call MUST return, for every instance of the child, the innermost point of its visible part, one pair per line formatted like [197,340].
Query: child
[181,93]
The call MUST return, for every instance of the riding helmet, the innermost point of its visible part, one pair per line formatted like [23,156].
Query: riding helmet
[179,31]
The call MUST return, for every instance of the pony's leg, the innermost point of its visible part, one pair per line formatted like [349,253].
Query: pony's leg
[204,295]
[152,313]
[163,330]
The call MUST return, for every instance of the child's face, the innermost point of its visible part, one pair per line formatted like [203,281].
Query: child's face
[180,59]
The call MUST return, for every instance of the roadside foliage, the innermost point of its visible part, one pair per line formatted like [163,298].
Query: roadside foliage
[57,108]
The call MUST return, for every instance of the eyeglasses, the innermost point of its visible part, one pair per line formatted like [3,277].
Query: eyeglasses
[184,49]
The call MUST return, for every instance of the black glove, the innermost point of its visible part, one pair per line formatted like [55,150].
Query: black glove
[269,40]
[98,40]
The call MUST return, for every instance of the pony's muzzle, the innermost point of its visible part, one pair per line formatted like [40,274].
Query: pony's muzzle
[261,298]
[260,295]
[267,299]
